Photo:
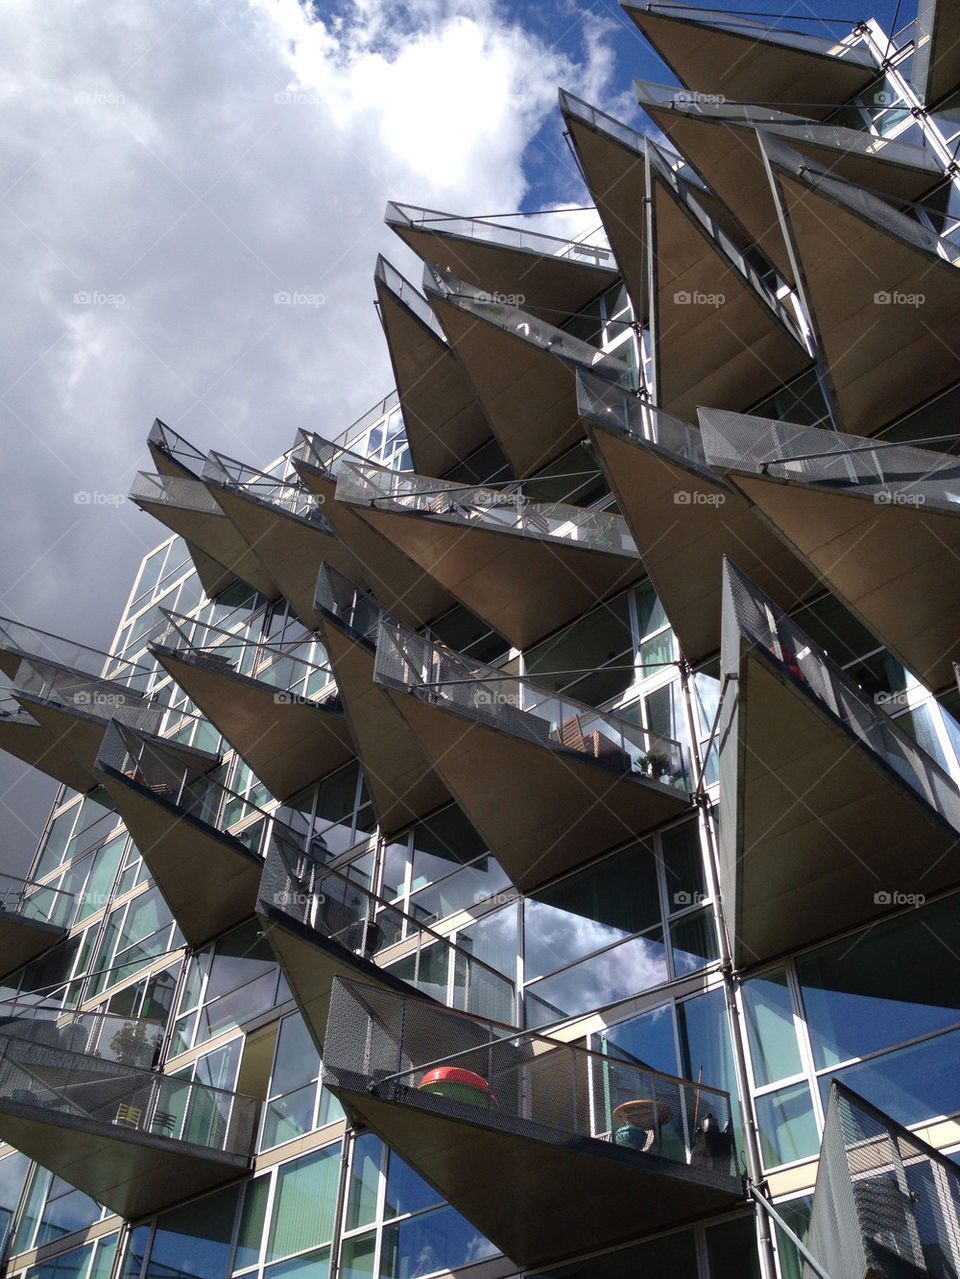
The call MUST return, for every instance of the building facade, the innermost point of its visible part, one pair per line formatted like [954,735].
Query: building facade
[520,835]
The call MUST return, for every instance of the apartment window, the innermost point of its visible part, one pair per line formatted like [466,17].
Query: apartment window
[296,1102]
[13,1174]
[134,934]
[338,812]
[52,1208]
[72,832]
[93,1260]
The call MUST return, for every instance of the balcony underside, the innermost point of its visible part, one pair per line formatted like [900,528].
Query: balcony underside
[402,782]
[168,464]
[683,542]
[290,549]
[556,285]
[443,420]
[520,584]
[541,810]
[847,259]
[896,567]
[726,153]
[30,742]
[936,67]
[528,395]
[399,584]
[287,744]
[814,825]
[23,939]
[312,962]
[208,879]
[616,177]
[564,1197]
[132,1173]
[727,355]
[220,546]
[748,67]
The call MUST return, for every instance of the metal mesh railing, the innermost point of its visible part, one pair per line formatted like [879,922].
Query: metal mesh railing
[368,485]
[886,1203]
[165,438]
[892,473]
[280,668]
[388,275]
[749,615]
[496,233]
[412,664]
[619,410]
[395,1047]
[511,319]
[41,646]
[284,495]
[41,903]
[129,1041]
[175,491]
[122,1099]
[340,907]
[354,609]
[88,695]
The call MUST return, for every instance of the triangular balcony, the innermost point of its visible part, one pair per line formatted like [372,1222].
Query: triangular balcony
[886,1202]
[736,59]
[719,333]
[180,818]
[26,739]
[522,369]
[326,923]
[879,523]
[525,567]
[172,454]
[547,782]
[719,139]
[442,417]
[280,712]
[282,523]
[76,1095]
[830,815]
[553,275]
[684,516]
[396,581]
[599,1150]
[401,779]
[33,917]
[221,555]
[867,268]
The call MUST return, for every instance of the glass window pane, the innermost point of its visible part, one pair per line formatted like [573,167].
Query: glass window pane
[602,979]
[732,1249]
[672,1257]
[252,1221]
[648,1038]
[304,1206]
[773,1039]
[289,1116]
[296,1061]
[194,1239]
[316,1265]
[406,1191]
[364,1181]
[438,1240]
[357,1257]
[694,941]
[788,1129]
[683,865]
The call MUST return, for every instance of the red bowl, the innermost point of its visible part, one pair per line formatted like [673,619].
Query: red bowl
[454,1074]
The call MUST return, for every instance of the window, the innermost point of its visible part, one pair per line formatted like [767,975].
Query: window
[296,1103]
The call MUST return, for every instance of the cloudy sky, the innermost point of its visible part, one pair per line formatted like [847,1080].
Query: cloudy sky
[169,167]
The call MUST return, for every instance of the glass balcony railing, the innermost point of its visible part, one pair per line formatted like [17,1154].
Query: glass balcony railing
[167,440]
[39,903]
[404,1050]
[354,609]
[29,642]
[128,1041]
[368,485]
[511,319]
[621,411]
[508,237]
[172,490]
[432,673]
[88,696]
[283,495]
[388,275]
[749,615]
[280,668]
[891,473]
[341,908]
[313,450]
